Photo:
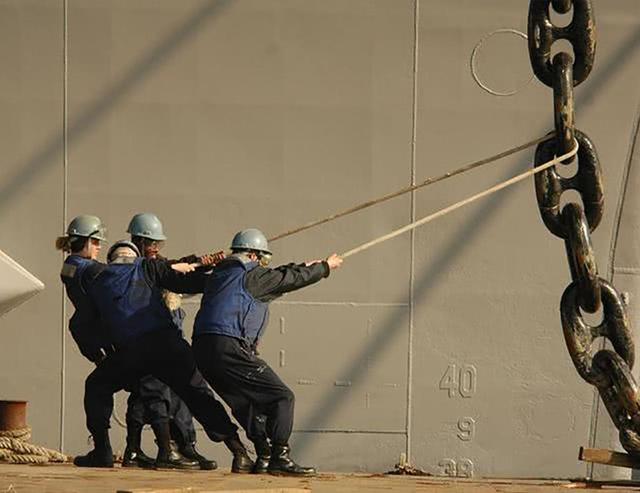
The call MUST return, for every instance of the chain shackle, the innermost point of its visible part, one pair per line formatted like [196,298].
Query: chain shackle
[580,336]
[563,103]
[587,182]
[582,260]
[580,33]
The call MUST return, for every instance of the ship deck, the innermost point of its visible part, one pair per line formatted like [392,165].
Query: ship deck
[67,478]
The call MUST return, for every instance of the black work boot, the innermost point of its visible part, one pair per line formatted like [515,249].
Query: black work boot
[168,458]
[172,459]
[282,465]
[133,454]
[101,455]
[136,458]
[242,463]
[189,451]
[263,452]
[95,458]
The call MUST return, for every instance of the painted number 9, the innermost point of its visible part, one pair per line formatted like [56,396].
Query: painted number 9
[466,429]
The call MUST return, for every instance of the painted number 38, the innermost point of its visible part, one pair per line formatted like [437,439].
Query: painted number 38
[462,468]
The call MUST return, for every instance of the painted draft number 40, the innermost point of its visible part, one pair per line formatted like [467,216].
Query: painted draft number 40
[460,380]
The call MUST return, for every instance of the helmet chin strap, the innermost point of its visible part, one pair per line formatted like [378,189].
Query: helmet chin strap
[262,258]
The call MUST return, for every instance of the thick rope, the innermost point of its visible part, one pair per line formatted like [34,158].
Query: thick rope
[461,203]
[13,458]
[402,191]
[15,449]
[20,434]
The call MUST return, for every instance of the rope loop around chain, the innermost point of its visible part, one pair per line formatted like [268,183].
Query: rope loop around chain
[580,336]
[582,260]
[580,33]
[587,182]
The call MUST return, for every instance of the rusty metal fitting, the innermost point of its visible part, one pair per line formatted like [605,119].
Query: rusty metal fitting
[13,415]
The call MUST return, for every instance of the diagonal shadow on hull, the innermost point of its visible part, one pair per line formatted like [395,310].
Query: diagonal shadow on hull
[398,322]
[141,69]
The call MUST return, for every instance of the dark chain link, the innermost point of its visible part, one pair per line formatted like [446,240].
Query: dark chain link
[580,33]
[580,336]
[609,371]
[582,262]
[563,109]
[550,185]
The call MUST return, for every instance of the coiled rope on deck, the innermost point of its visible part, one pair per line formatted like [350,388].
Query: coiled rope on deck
[15,449]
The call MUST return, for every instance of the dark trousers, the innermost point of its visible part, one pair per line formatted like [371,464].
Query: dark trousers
[182,429]
[248,385]
[153,402]
[168,357]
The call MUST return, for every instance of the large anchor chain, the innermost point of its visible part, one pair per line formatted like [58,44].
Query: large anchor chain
[608,370]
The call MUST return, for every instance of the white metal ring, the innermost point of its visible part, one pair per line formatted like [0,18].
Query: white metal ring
[474,71]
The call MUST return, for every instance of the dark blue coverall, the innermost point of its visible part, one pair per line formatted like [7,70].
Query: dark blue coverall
[125,297]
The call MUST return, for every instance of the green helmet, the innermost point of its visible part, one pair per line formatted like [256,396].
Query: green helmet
[146,225]
[87,226]
[250,239]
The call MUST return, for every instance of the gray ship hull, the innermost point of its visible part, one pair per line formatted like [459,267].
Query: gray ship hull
[444,344]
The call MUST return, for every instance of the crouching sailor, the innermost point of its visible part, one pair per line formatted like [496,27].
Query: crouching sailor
[149,402]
